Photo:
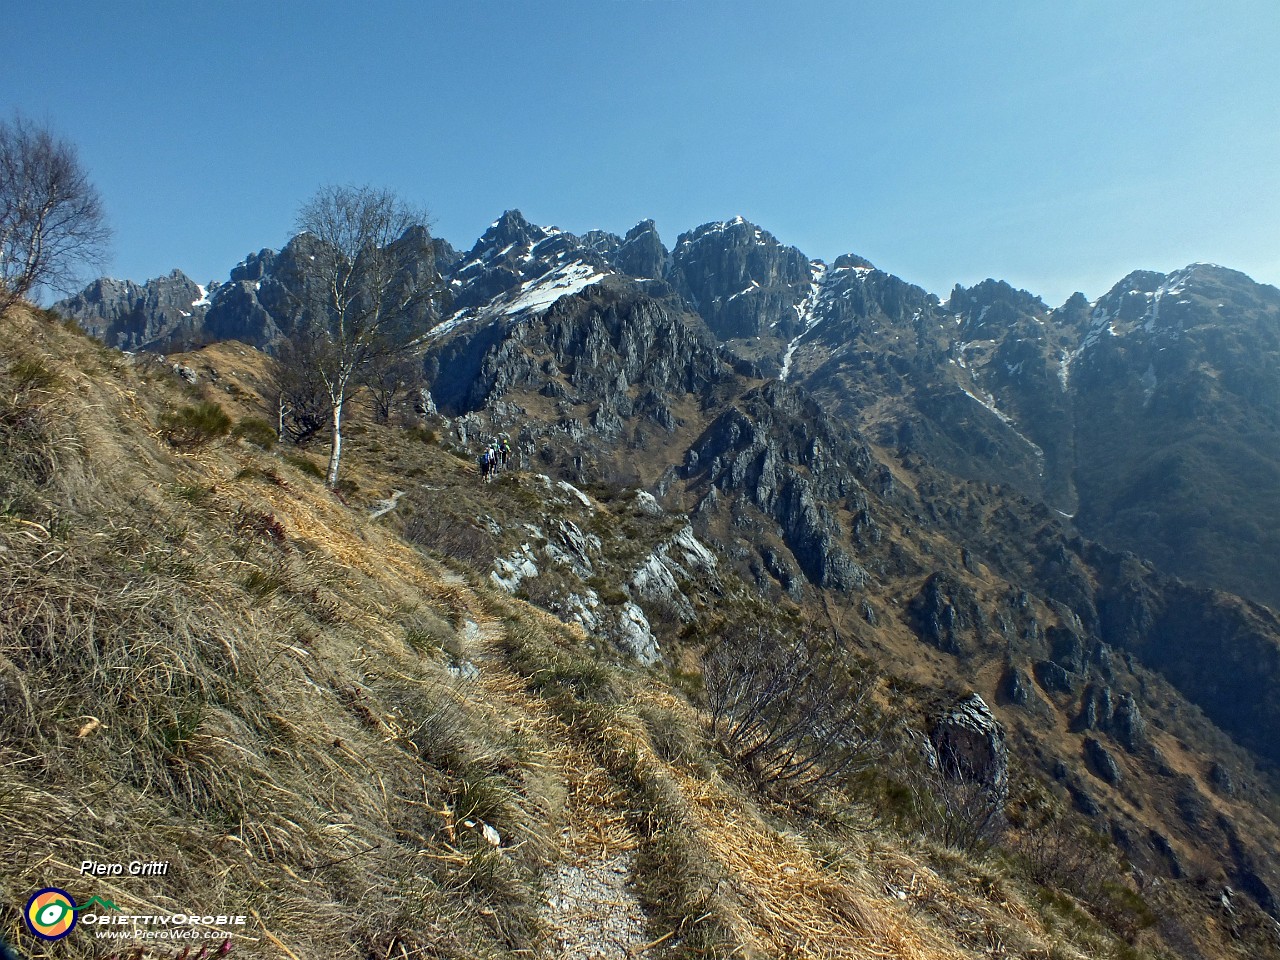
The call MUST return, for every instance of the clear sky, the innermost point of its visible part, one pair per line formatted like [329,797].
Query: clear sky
[1057,145]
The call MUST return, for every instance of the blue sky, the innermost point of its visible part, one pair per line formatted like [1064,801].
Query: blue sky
[1054,145]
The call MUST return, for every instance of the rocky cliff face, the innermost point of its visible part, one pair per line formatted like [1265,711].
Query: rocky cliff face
[1176,387]
[775,451]
[740,279]
[609,348]
[154,316]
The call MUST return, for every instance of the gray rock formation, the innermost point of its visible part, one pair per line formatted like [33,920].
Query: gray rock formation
[641,253]
[1052,678]
[1016,687]
[634,635]
[166,313]
[1128,725]
[970,744]
[1100,761]
[946,614]
[1096,708]
[740,279]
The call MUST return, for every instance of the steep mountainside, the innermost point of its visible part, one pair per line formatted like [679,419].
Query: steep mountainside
[864,463]
[1177,390]
[982,492]
[334,720]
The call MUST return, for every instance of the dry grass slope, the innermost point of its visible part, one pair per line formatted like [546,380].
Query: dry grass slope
[207,658]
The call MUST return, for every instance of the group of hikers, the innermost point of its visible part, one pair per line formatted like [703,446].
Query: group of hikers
[495,457]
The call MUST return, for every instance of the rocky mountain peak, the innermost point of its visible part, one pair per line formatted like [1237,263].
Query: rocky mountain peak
[510,228]
[254,266]
[740,279]
[526,266]
[853,262]
[641,253]
[129,316]
[993,305]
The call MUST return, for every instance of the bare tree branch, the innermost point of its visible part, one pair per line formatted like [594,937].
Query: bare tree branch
[797,712]
[51,218]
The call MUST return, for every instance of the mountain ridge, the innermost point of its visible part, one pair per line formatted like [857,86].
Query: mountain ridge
[993,386]
[832,495]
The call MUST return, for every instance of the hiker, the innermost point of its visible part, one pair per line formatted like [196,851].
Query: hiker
[486,465]
[504,449]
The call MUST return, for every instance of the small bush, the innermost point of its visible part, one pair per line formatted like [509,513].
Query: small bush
[608,591]
[29,374]
[796,713]
[263,584]
[451,536]
[257,431]
[1062,854]
[673,739]
[195,426]
[193,493]
[577,675]
[430,634]
[1058,853]
[252,472]
[443,736]
[305,464]
[963,814]
[485,797]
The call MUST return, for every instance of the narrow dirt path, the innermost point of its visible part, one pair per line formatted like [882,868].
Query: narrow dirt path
[590,908]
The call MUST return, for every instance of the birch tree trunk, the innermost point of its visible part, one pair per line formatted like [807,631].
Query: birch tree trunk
[335,448]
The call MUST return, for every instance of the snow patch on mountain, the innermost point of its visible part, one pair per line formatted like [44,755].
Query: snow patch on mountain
[548,263]
[807,313]
[538,295]
[1108,311]
[988,401]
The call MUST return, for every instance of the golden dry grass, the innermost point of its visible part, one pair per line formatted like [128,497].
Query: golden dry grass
[206,657]
[203,659]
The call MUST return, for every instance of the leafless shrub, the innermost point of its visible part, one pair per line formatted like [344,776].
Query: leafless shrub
[302,407]
[1058,853]
[797,713]
[389,380]
[958,811]
[1065,856]
[451,536]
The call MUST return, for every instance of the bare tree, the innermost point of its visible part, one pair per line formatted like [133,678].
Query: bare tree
[302,401]
[51,218]
[367,275]
[389,380]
